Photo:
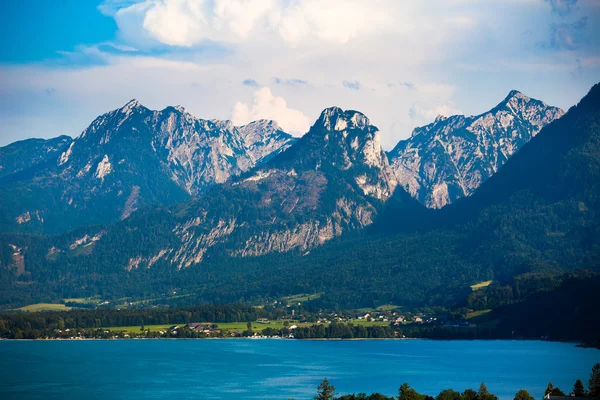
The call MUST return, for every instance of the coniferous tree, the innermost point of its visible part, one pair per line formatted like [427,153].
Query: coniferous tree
[483,391]
[448,394]
[523,395]
[405,392]
[553,391]
[594,382]
[468,394]
[578,389]
[325,391]
[484,394]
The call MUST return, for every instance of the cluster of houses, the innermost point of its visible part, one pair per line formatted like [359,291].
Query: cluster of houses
[396,318]
[392,317]
[207,329]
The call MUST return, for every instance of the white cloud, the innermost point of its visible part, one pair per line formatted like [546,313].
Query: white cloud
[188,22]
[267,106]
[335,21]
[439,56]
[241,16]
[176,22]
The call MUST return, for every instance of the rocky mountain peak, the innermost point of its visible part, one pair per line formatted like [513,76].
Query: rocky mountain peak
[224,124]
[336,119]
[535,112]
[259,130]
[259,124]
[449,158]
[516,100]
[130,106]
[264,139]
[440,118]
[133,157]
[515,94]
[346,141]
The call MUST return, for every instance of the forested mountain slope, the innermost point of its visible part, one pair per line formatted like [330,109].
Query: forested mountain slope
[538,214]
[334,180]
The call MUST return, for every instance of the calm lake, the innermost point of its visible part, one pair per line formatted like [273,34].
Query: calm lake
[280,369]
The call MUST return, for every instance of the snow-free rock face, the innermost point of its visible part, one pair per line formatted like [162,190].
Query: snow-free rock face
[346,141]
[193,152]
[333,180]
[264,139]
[128,159]
[449,158]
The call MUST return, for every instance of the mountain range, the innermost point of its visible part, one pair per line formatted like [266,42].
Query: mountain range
[133,157]
[449,158]
[127,159]
[227,213]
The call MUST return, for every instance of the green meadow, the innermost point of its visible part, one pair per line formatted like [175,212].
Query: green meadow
[239,326]
[44,307]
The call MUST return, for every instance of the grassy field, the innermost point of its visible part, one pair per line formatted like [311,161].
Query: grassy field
[480,285]
[257,326]
[475,314]
[136,329]
[45,307]
[364,322]
[239,326]
[58,307]
[82,300]
[78,300]
[385,307]
[301,298]
[231,326]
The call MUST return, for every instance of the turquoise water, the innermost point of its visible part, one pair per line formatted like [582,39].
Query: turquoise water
[280,369]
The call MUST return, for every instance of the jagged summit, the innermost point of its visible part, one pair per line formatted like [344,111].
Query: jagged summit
[263,123]
[130,105]
[449,158]
[346,142]
[516,99]
[263,139]
[134,157]
[514,93]
[336,119]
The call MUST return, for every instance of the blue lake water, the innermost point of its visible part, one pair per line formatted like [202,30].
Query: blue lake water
[281,369]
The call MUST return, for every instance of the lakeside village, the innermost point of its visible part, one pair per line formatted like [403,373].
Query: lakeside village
[356,325]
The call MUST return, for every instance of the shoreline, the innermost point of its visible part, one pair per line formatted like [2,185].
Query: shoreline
[574,343]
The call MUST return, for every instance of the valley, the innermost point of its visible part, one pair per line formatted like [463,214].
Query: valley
[300,199]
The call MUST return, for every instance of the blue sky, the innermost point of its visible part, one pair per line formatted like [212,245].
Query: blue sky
[34,30]
[402,63]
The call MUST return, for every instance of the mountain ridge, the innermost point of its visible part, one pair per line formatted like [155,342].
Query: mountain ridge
[449,158]
[296,225]
[130,158]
